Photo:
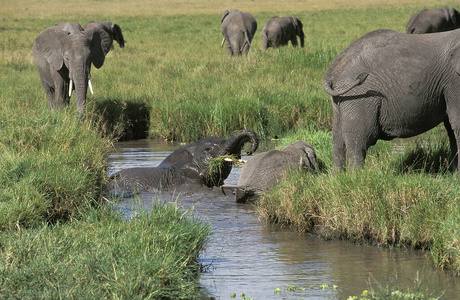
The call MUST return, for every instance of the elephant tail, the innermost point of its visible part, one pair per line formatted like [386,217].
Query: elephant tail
[247,42]
[327,85]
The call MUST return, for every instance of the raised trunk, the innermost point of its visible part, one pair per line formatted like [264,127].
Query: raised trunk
[236,142]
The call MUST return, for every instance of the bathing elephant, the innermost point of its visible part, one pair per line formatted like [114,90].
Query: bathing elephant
[264,170]
[63,55]
[190,164]
[279,31]
[433,20]
[238,29]
[389,84]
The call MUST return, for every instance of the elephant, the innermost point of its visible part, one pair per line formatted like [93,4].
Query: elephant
[279,31]
[63,54]
[433,20]
[263,171]
[238,29]
[389,84]
[189,165]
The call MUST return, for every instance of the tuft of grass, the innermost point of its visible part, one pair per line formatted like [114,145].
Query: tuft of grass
[102,255]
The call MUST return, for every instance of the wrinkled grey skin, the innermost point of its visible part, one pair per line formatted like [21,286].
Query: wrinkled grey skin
[238,29]
[65,52]
[279,31]
[389,84]
[433,20]
[188,164]
[266,169]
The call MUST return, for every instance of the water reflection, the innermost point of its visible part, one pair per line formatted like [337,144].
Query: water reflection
[248,255]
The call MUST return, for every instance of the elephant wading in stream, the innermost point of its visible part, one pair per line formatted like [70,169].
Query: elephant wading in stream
[63,55]
[266,169]
[389,84]
[238,29]
[433,20]
[188,165]
[279,31]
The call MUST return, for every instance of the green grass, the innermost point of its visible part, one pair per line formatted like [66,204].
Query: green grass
[104,256]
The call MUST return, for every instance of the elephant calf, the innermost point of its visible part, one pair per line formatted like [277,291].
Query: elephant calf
[238,29]
[279,31]
[266,169]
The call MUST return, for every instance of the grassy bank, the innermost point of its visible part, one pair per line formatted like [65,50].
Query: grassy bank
[402,198]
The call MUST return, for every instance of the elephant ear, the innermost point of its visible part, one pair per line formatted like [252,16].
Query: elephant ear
[50,43]
[297,25]
[108,32]
[97,52]
[224,15]
[455,58]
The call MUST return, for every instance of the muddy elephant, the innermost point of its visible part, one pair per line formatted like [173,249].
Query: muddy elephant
[238,29]
[193,165]
[263,171]
[279,31]
[433,20]
[389,85]
[63,55]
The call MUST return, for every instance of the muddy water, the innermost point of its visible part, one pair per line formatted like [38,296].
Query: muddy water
[247,255]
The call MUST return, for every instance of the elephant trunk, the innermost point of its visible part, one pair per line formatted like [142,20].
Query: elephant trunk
[81,86]
[236,142]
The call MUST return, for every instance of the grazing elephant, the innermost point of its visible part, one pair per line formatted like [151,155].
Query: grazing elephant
[265,169]
[238,29]
[189,164]
[389,84]
[279,31]
[63,55]
[433,20]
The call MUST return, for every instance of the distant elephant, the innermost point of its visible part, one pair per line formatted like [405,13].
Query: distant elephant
[389,85]
[279,31]
[190,164]
[433,20]
[63,55]
[263,171]
[238,29]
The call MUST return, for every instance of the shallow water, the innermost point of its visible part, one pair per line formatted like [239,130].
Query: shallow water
[247,255]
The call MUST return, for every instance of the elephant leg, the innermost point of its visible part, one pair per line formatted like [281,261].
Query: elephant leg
[453,145]
[294,41]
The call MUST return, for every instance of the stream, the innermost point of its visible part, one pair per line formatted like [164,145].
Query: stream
[264,261]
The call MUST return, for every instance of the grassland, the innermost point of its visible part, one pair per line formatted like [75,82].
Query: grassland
[174,76]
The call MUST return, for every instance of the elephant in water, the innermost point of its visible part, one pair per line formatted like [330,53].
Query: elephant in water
[388,85]
[264,170]
[433,20]
[238,29]
[63,55]
[189,165]
[279,31]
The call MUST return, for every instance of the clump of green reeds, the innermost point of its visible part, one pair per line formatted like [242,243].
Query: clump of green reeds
[102,255]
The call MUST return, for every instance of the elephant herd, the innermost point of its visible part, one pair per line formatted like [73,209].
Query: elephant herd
[384,85]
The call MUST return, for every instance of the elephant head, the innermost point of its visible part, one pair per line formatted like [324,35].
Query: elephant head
[266,169]
[189,164]
[193,161]
[298,26]
[63,55]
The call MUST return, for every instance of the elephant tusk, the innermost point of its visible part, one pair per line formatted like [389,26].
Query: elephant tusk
[70,88]
[223,42]
[90,86]
[231,160]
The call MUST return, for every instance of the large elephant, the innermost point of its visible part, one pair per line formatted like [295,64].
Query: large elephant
[279,31]
[433,20]
[389,84]
[63,54]
[264,170]
[238,29]
[190,164]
